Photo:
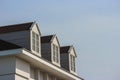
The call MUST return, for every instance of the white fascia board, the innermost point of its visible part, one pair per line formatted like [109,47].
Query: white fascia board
[10,52]
[40,63]
[43,64]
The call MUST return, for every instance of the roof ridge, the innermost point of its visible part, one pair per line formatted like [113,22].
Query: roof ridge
[16,24]
[15,27]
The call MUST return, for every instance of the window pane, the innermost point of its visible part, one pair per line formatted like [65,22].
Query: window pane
[33,35]
[55,54]
[37,37]
[72,62]
[57,59]
[35,42]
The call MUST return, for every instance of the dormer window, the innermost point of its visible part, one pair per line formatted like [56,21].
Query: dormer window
[35,42]
[55,54]
[72,63]
[50,49]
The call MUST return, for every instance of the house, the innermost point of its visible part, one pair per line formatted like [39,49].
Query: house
[27,55]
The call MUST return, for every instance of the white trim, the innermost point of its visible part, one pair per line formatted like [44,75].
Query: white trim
[35,23]
[50,67]
[41,63]
[54,56]
[53,36]
[31,44]
[71,47]
[72,65]
[10,52]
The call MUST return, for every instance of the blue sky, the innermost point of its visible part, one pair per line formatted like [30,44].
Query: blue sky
[92,26]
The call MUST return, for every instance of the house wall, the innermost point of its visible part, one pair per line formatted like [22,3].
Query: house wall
[65,60]
[25,71]
[46,51]
[72,52]
[18,77]
[14,68]
[55,42]
[8,77]
[21,38]
[22,68]
[35,29]
[7,68]
[41,75]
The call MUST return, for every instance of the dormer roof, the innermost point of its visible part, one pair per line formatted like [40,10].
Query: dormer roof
[46,39]
[67,49]
[64,49]
[49,39]
[15,27]
[4,45]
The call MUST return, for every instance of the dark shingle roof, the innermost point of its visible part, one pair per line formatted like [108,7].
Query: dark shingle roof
[64,49]
[4,45]
[46,39]
[15,27]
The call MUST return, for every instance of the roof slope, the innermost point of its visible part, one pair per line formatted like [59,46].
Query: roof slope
[64,49]
[46,39]
[15,27]
[4,45]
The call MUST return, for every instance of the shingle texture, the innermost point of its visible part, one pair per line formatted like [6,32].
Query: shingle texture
[46,39]
[4,45]
[64,49]
[16,27]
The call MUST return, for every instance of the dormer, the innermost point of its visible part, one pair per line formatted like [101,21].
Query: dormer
[68,58]
[35,37]
[50,49]
[26,35]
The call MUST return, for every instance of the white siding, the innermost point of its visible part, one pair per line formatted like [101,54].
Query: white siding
[36,30]
[22,68]
[17,77]
[55,42]
[32,73]
[72,52]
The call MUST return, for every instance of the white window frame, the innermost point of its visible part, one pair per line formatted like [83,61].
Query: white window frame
[35,42]
[55,54]
[72,63]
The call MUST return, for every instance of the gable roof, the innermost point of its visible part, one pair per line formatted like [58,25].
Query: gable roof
[46,39]
[4,45]
[35,23]
[15,27]
[64,49]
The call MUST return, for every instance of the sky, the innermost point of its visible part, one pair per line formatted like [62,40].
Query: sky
[92,26]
